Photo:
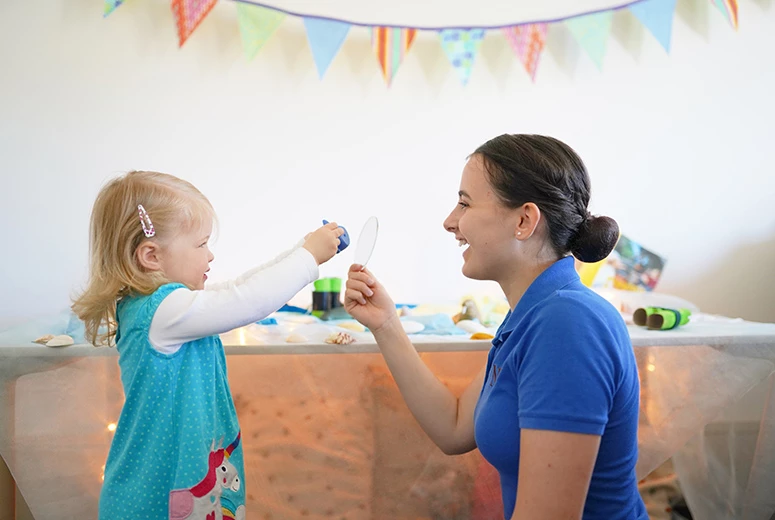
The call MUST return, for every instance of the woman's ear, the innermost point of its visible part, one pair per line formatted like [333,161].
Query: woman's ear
[147,254]
[527,221]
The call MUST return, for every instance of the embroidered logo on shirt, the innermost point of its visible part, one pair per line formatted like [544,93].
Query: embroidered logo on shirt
[496,370]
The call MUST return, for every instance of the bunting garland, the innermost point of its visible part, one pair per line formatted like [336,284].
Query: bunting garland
[189,14]
[728,9]
[325,38]
[591,31]
[257,24]
[390,43]
[528,41]
[461,46]
[110,5]
[657,17]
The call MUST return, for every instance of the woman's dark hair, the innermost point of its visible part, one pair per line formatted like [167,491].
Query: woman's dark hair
[545,171]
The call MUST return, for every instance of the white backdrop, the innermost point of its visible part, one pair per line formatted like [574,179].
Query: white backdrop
[678,146]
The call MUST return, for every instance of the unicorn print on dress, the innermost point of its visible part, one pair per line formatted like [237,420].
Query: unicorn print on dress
[203,501]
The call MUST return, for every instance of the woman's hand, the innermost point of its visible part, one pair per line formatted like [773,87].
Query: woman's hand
[366,300]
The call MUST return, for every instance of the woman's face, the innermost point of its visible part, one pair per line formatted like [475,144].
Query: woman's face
[483,225]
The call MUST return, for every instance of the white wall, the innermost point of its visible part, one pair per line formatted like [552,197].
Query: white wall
[678,146]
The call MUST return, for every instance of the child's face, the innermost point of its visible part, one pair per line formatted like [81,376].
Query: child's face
[187,257]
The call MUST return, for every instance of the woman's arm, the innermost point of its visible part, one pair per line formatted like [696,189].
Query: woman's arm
[447,419]
[567,386]
[555,469]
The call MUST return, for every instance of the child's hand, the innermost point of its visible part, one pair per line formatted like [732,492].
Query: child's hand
[323,242]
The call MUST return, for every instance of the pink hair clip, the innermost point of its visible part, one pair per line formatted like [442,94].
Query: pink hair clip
[145,221]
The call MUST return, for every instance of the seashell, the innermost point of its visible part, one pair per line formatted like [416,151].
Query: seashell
[340,338]
[352,325]
[471,326]
[44,339]
[63,340]
[296,338]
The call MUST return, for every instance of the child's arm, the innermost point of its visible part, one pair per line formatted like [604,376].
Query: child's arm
[185,315]
[241,279]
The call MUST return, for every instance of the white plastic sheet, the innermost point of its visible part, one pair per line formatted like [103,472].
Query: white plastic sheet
[328,435]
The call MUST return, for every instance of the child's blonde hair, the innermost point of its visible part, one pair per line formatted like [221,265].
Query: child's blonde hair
[173,205]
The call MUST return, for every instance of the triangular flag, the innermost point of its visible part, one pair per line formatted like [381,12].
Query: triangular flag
[110,5]
[591,31]
[528,43]
[257,24]
[461,46]
[188,15]
[729,9]
[325,38]
[391,45]
[657,17]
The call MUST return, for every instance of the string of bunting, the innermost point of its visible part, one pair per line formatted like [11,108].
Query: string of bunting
[257,24]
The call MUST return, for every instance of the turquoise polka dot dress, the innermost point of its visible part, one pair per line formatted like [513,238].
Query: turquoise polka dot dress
[177,451]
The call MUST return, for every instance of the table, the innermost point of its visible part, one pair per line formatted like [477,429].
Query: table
[326,431]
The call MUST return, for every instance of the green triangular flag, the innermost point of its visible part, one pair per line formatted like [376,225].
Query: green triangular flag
[110,5]
[257,24]
[591,31]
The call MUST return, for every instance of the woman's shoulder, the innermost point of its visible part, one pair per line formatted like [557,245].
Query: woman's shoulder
[581,312]
[576,301]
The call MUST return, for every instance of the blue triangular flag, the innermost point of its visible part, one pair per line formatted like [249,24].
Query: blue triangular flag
[657,17]
[325,38]
[461,46]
